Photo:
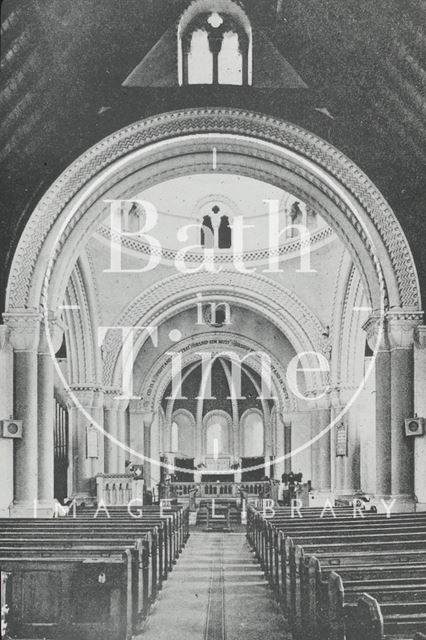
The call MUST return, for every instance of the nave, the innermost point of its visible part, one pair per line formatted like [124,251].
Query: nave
[310,574]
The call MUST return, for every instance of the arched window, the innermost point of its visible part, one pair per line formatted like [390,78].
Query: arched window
[200,64]
[217,431]
[299,214]
[216,230]
[175,437]
[215,44]
[252,434]
[182,433]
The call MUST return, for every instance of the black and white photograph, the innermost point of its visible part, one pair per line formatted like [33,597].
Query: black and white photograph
[212,338]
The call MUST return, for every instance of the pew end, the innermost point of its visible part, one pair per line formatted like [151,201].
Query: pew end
[365,620]
[335,607]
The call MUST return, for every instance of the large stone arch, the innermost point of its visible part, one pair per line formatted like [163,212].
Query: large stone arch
[159,376]
[178,144]
[165,299]
[181,142]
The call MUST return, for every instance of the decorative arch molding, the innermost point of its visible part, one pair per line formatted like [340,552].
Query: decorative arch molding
[348,338]
[166,298]
[82,319]
[316,171]
[159,376]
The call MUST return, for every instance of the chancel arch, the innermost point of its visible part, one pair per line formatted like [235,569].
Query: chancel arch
[149,153]
[351,203]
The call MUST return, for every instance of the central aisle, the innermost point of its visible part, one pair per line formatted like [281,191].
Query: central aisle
[217,590]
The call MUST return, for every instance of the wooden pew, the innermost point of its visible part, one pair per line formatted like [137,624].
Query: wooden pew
[322,599]
[51,538]
[152,542]
[370,621]
[402,605]
[165,543]
[148,537]
[72,597]
[272,542]
[343,554]
[40,538]
[353,542]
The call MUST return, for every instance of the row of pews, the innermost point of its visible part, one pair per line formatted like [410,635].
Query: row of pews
[90,575]
[343,578]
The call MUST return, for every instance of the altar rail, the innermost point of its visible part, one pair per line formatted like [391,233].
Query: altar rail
[223,489]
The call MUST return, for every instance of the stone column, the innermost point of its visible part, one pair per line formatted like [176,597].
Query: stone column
[81,399]
[281,442]
[6,410]
[122,453]
[321,448]
[155,448]
[111,425]
[420,410]
[24,337]
[46,416]
[267,444]
[346,467]
[401,328]
[136,412]
[378,339]
[147,418]
[97,464]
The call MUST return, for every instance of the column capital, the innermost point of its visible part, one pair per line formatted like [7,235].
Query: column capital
[136,406]
[376,330]
[113,401]
[148,418]
[81,394]
[4,336]
[401,326]
[420,337]
[24,329]
[98,398]
[51,333]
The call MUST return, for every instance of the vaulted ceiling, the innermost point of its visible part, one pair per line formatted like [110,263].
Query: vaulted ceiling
[63,64]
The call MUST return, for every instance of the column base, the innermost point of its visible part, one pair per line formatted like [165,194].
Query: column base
[32,509]
[402,503]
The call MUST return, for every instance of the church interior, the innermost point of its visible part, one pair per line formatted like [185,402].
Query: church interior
[212,342]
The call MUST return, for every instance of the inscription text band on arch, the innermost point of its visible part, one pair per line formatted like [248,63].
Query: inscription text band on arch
[251,144]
